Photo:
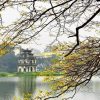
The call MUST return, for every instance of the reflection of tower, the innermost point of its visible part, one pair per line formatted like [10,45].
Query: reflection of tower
[26,61]
[27,85]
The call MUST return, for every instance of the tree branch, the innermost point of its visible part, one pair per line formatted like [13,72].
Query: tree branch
[77,31]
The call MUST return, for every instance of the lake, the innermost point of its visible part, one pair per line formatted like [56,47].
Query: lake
[13,88]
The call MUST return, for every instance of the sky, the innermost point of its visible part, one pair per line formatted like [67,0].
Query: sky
[10,15]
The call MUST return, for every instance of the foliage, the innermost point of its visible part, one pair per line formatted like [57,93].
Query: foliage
[8,62]
[26,96]
[59,18]
[5,48]
[77,68]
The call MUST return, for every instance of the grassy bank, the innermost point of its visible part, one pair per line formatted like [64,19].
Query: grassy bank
[5,74]
[44,73]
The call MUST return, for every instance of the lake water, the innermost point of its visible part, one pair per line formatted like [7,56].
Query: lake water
[13,88]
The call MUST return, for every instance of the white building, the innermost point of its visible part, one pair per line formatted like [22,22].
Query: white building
[26,61]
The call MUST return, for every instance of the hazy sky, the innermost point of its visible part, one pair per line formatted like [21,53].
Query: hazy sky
[10,15]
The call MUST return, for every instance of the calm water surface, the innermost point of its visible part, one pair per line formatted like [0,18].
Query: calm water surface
[13,87]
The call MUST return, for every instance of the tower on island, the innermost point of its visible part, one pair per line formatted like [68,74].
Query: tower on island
[26,61]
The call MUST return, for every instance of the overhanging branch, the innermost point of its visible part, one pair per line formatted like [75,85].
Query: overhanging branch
[77,31]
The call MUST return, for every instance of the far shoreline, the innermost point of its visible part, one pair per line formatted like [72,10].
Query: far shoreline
[20,74]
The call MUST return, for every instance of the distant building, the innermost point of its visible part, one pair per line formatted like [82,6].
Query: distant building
[26,61]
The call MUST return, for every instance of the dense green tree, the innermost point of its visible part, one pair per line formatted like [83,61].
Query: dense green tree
[8,62]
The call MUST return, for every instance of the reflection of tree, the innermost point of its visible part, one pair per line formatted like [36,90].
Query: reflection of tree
[27,86]
[7,89]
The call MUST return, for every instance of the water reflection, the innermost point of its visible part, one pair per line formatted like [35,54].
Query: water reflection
[26,86]
[7,88]
[19,87]
[15,87]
